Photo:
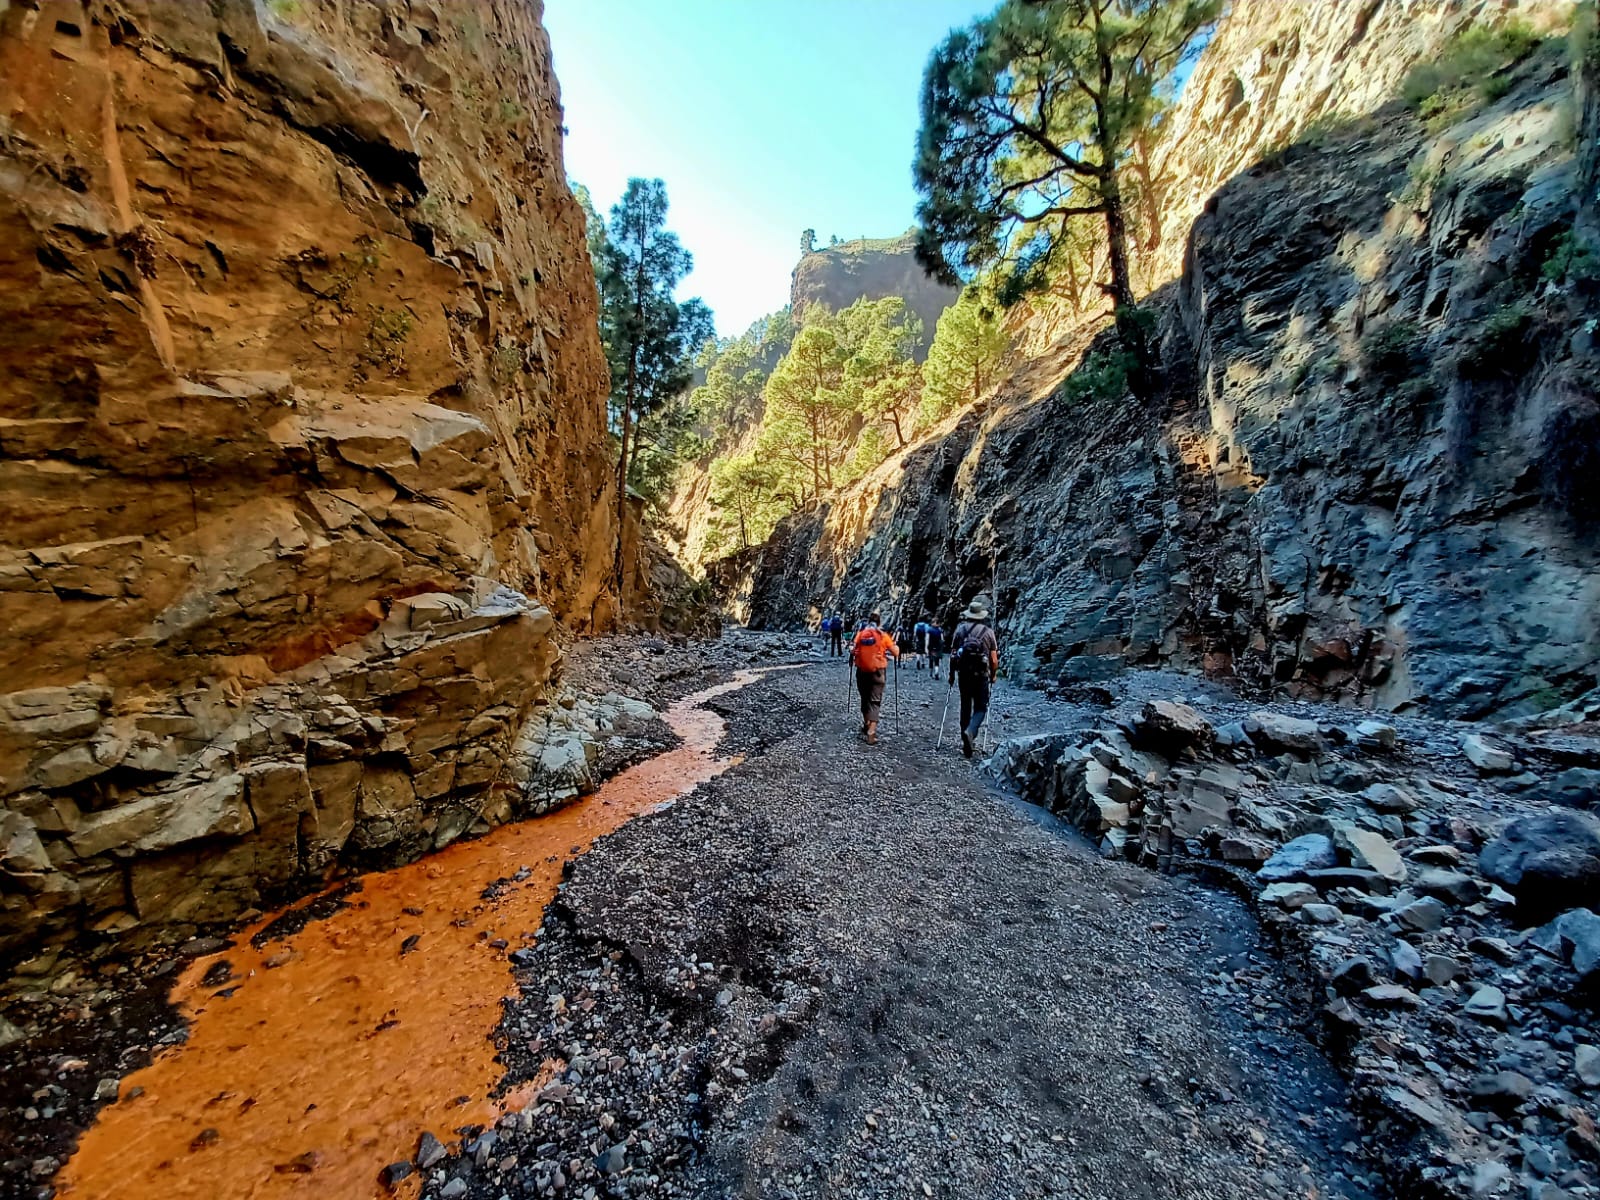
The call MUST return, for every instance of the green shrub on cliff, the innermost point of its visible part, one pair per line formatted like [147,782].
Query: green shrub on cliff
[1468,71]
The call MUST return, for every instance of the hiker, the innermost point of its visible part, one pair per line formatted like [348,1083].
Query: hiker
[869,655]
[919,643]
[935,647]
[974,663]
[836,635]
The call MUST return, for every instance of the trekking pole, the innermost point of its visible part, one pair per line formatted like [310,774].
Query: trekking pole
[943,715]
[897,693]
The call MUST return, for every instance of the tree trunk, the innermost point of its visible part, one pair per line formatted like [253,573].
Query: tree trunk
[1129,331]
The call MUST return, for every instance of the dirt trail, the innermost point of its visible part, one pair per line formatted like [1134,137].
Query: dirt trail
[316,1057]
[842,970]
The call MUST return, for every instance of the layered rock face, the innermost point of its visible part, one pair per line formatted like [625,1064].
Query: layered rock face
[1365,481]
[301,401]
[870,269]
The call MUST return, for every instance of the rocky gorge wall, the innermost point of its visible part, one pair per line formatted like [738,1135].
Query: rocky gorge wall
[870,269]
[1365,480]
[301,443]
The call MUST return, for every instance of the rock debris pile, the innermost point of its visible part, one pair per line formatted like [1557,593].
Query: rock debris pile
[1442,912]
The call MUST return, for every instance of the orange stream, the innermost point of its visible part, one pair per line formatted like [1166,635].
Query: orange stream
[336,1051]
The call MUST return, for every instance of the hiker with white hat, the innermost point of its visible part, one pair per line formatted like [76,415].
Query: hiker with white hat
[974,663]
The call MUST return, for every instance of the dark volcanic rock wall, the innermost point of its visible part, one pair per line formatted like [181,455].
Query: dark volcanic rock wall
[1366,481]
[301,400]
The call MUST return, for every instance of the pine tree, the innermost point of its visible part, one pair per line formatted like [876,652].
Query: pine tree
[964,360]
[650,339]
[806,391]
[1028,119]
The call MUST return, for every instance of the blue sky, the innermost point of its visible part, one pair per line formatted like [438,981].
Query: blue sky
[764,117]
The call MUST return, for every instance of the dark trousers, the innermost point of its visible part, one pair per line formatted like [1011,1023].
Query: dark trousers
[974,701]
[837,645]
[870,685]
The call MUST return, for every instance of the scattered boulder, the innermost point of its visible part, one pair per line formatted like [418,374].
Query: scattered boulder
[1289,895]
[1549,861]
[1277,732]
[1391,995]
[1354,974]
[1586,1064]
[1423,916]
[1576,787]
[1370,851]
[1489,758]
[1488,1003]
[1406,960]
[1171,728]
[1294,858]
[1580,943]
[1504,1090]
[1454,886]
[1377,735]
[1386,798]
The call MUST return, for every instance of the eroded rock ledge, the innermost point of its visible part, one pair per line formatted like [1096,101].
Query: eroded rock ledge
[301,444]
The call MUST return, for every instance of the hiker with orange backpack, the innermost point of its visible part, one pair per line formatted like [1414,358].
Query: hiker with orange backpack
[869,655]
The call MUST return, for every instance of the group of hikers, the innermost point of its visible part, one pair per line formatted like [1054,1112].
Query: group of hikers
[974,662]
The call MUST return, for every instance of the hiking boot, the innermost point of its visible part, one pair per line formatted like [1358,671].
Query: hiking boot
[966,744]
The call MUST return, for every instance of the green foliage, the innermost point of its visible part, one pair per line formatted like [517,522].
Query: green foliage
[510,111]
[505,361]
[283,9]
[650,339]
[1467,72]
[964,360]
[747,494]
[1573,258]
[1102,375]
[1029,118]
[1499,344]
[1390,349]
[388,330]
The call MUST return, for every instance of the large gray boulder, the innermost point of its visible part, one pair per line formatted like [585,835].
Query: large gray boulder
[1295,859]
[1550,862]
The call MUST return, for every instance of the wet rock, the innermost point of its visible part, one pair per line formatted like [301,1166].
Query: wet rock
[1488,1003]
[391,1175]
[430,1152]
[1504,1090]
[1298,856]
[613,1160]
[1549,861]
[1489,757]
